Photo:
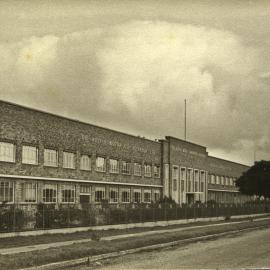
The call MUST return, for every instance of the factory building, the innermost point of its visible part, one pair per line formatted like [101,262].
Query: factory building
[46,158]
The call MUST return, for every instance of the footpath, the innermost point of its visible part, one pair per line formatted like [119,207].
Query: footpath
[30,248]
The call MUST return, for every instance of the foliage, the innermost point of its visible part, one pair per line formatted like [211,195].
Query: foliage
[256,180]
[11,218]
[49,217]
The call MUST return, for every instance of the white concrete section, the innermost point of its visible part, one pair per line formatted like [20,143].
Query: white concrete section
[74,180]
[166,180]
[123,226]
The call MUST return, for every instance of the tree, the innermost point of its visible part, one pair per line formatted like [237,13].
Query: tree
[256,180]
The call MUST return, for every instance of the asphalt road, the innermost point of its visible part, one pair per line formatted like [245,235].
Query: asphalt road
[249,249]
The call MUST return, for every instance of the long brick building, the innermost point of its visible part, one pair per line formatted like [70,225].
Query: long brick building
[45,158]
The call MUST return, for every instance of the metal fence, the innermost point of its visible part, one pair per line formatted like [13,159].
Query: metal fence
[18,218]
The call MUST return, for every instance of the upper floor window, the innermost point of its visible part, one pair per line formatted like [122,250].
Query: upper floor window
[50,157]
[202,176]
[175,172]
[114,166]
[183,173]
[29,155]
[100,164]
[218,179]
[137,169]
[196,175]
[85,163]
[126,167]
[222,180]
[147,170]
[213,180]
[7,152]
[68,160]
[156,171]
[189,174]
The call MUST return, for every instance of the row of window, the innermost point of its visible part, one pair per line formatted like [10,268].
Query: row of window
[30,156]
[221,180]
[68,195]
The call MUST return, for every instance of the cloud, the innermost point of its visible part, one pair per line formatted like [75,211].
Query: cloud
[135,77]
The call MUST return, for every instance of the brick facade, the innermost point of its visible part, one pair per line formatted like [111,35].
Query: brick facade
[22,127]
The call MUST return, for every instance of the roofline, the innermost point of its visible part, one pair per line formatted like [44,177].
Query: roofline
[229,161]
[171,137]
[77,121]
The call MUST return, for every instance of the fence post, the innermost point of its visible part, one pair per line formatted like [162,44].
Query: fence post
[14,217]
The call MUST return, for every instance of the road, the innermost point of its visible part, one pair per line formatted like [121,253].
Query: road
[249,249]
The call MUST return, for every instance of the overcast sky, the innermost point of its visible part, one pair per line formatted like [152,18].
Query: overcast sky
[129,65]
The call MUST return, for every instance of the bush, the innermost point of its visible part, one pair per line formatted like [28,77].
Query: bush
[48,217]
[11,218]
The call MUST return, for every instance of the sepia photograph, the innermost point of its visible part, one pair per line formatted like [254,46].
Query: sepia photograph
[134,134]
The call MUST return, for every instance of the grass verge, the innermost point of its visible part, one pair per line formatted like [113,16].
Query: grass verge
[74,251]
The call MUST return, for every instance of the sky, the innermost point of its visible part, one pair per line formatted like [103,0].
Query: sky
[129,66]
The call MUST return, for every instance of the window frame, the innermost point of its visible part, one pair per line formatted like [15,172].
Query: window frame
[99,168]
[136,172]
[114,168]
[11,187]
[85,168]
[54,188]
[35,184]
[25,159]
[66,161]
[49,164]
[5,148]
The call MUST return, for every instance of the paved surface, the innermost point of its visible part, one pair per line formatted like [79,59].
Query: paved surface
[16,250]
[246,250]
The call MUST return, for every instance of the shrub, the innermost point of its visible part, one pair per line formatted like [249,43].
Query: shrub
[11,218]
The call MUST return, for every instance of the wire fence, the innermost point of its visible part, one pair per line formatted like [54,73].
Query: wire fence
[18,218]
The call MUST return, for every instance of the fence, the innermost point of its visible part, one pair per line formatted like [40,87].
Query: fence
[14,218]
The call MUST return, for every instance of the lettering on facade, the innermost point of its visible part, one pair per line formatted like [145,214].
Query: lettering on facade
[191,152]
[117,144]
[213,165]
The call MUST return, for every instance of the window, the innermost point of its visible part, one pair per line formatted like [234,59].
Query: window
[189,179]
[231,181]
[183,173]
[68,160]
[85,189]
[147,196]
[50,157]
[147,170]
[222,180]
[202,186]
[213,180]
[29,192]
[137,169]
[182,185]
[125,195]
[217,179]
[202,176]
[68,193]
[113,194]
[156,171]
[100,164]
[99,194]
[29,155]
[7,152]
[156,195]
[114,166]
[6,191]
[49,193]
[196,175]
[175,173]
[85,163]
[126,167]
[196,186]
[174,185]
[137,195]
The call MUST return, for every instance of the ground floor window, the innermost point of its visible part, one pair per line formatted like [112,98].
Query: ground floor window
[68,193]
[113,194]
[6,191]
[156,195]
[147,196]
[137,195]
[99,194]
[29,192]
[125,195]
[49,193]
